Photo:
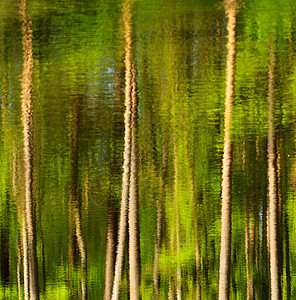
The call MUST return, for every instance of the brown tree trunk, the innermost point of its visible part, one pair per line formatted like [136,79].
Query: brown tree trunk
[115,169]
[110,253]
[25,259]
[19,268]
[127,15]
[272,190]
[133,215]
[28,149]
[82,251]
[225,252]
[74,199]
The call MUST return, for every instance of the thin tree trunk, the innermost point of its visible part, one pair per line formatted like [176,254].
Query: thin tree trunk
[249,248]
[171,289]
[110,253]
[73,189]
[287,258]
[197,251]
[127,152]
[133,215]
[20,244]
[115,168]
[74,199]
[179,285]
[225,252]
[25,260]
[272,191]
[28,149]
[19,268]
[249,235]
[82,251]
[160,220]
[38,188]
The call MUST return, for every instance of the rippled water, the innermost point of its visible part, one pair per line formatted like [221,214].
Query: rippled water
[148,149]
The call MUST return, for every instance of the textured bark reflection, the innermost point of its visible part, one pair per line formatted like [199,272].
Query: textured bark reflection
[224,271]
[272,189]
[115,170]
[129,198]
[30,226]
[133,214]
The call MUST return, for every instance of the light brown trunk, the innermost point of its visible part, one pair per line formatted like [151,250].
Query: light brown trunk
[73,188]
[19,268]
[127,152]
[115,168]
[25,260]
[249,243]
[74,198]
[110,253]
[133,215]
[171,289]
[28,149]
[82,251]
[225,252]
[272,191]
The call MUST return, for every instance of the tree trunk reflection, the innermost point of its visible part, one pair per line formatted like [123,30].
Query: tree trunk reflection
[225,252]
[28,150]
[160,220]
[129,198]
[74,199]
[133,215]
[272,190]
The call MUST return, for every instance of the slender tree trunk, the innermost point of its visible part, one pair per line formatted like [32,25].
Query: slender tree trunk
[133,215]
[197,251]
[249,234]
[73,148]
[176,212]
[225,252]
[38,188]
[82,251]
[127,151]
[272,191]
[249,248]
[28,149]
[287,259]
[20,244]
[25,259]
[19,268]
[160,220]
[74,199]
[171,289]
[115,168]
[110,253]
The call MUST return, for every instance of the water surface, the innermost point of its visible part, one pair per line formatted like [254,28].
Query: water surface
[148,149]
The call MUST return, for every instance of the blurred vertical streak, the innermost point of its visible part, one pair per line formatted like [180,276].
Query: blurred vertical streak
[225,252]
[26,83]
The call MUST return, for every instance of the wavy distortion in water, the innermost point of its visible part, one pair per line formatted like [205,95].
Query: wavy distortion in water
[148,149]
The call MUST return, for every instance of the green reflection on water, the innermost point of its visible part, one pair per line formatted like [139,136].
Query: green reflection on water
[78,99]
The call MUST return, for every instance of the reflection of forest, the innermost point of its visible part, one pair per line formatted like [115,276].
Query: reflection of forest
[148,150]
